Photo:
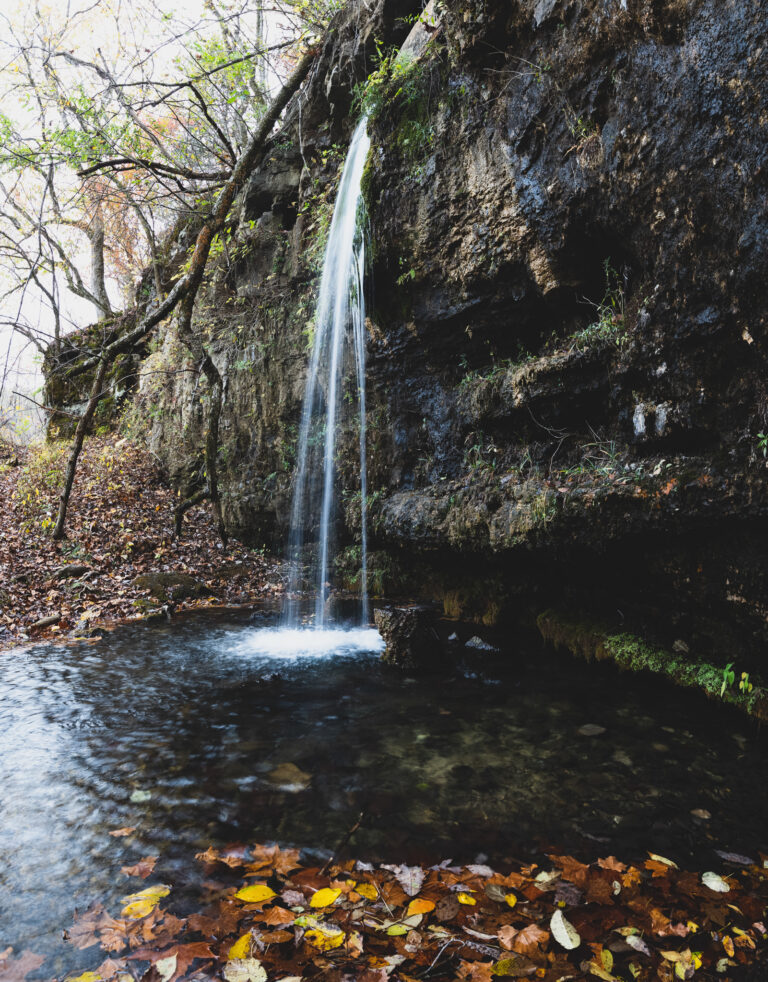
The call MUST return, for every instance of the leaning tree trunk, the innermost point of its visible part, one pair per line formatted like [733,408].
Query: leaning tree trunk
[77,444]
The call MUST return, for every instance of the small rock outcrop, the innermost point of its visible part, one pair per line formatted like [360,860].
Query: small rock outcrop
[410,636]
[171,586]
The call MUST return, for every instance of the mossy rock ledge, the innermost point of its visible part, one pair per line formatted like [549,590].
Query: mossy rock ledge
[593,640]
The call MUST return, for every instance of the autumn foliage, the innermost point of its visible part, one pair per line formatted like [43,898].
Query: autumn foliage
[560,920]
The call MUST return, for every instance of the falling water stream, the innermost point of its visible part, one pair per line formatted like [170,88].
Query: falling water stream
[338,337]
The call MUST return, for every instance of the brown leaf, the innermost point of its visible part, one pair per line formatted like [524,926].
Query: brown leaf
[218,924]
[276,937]
[84,932]
[283,861]
[16,969]
[276,916]
[528,941]
[573,870]
[448,908]
[185,955]
[143,868]
[612,863]
[475,971]
[121,832]
[110,968]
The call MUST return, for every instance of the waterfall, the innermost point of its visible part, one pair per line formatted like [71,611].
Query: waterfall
[339,336]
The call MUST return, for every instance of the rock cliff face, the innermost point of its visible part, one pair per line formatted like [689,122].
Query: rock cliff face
[569,315]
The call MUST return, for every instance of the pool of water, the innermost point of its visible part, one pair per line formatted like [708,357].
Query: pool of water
[214,732]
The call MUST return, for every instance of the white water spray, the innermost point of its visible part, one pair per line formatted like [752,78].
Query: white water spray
[340,306]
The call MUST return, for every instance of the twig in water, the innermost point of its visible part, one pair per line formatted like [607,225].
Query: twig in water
[343,843]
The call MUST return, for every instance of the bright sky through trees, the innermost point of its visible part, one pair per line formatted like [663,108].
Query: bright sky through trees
[154,100]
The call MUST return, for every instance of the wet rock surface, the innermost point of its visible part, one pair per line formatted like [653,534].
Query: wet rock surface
[568,329]
[410,636]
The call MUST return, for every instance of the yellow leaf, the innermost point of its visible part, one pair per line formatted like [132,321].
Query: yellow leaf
[662,859]
[511,899]
[241,948]
[600,972]
[420,906]
[728,945]
[86,977]
[325,939]
[696,959]
[607,959]
[367,890]
[144,902]
[464,898]
[396,929]
[257,893]
[325,897]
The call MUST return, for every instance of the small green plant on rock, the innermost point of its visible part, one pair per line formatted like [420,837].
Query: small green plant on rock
[745,686]
[729,677]
[400,87]
[611,325]
[762,443]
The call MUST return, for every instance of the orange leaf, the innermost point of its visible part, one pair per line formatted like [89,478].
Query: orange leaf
[420,906]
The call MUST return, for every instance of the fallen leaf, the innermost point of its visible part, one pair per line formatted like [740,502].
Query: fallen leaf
[410,878]
[612,863]
[143,868]
[120,832]
[244,970]
[166,967]
[663,859]
[324,898]
[420,906]
[325,937]
[144,902]
[257,893]
[17,969]
[564,932]
[276,916]
[715,882]
[636,942]
[367,890]
[241,948]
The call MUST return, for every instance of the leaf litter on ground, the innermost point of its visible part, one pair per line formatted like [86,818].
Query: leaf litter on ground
[571,920]
[120,526]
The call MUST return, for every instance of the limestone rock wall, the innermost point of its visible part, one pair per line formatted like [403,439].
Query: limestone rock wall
[568,331]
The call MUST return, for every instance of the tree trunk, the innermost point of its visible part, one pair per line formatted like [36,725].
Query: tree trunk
[77,444]
[98,274]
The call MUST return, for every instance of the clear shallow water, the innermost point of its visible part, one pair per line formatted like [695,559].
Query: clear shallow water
[210,732]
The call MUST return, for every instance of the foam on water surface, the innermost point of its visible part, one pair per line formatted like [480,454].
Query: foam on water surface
[290,643]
